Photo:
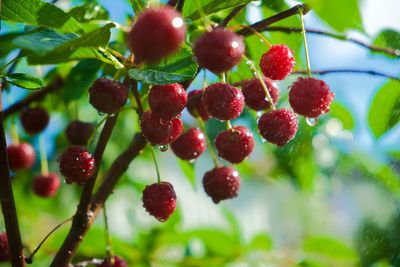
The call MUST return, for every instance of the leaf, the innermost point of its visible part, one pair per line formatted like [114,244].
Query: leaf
[88,12]
[38,13]
[181,67]
[327,246]
[261,242]
[388,38]
[384,112]
[137,5]
[340,112]
[80,79]
[332,12]
[189,171]
[25,81]
[190,9]
[7,43]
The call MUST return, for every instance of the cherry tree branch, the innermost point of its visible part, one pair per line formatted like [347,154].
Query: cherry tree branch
[231,15]
[349,71]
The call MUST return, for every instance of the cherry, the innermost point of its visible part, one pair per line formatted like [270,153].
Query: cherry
[278,126]
[219,50]
[310,97]
[4,247]
[221,183]
[108,96]
[235,144]
[278,62]
[79,132]
[159,200]
[158,131]
[189,145]
[77,164]
[195,105]
[223,101]
[34,120]
[46,185]
[167,101]
[254,93]
[157,33]
[118,262]
[21,156]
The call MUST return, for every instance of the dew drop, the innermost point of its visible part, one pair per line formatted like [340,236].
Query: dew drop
[263,140]
[163,148]
[312,121]
[192,161]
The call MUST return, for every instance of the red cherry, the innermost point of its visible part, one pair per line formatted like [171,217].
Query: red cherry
[310,97]
[167,101]
[118,262]
[77,164]
[219,50]
[4,247]
[189,145]
[278,62]
[195,105]
[21,156]
[158,131]
[254,94]
[159,200]
[221,183]
[223,101]
[46,185]
[79,132]
[278,126]
[35,120]
[235,144]
[157,33]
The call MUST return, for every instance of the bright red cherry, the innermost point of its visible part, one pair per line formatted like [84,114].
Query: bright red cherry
[254,93]
[157,33]
[158,131]
[77,164]
[159,200]
[21,156]
[190,145]
[221,183]
[195,105]
[278,62]
[46,185]
[167,101]
[35,120]
[219,50]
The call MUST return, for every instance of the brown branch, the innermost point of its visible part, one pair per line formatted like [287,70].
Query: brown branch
[231,15]
[137,98]
[350,71]
[8,203]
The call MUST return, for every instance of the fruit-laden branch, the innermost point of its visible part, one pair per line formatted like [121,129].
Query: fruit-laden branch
[368,72]
[231,15]
[7,201]
[390,51]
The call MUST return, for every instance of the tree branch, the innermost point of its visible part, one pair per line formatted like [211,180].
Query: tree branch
[331,71]
[7,201]
[231,15]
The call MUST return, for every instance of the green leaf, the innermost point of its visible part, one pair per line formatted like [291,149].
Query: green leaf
[80,79]
[340,112]
[388,38]
[88,12]
[332,12]
[190,9]
[261,242]
[7,43]
[189,171]
[384,112]
[24,81]
[180,67]
[327,246]
[38,13]
[137,5]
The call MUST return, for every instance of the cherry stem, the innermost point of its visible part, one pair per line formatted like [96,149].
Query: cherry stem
[44,165]
[223,77]
[110,251]
[203,16]
[263,39]
[155,164]
[210,147]
[258,76]
[30,258]
[14,132]
[228,125]
[303,32]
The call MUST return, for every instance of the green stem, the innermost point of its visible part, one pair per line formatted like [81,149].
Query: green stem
[210,147]
[43,156]
[155,164]
[203,16]
[303,32]
[223,77]
[110,251]
[228,125]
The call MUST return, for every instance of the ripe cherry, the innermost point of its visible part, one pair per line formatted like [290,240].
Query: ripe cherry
[157,33]
[21,156]
[310,97]
[278,126]
[35,120]
[190,145]
[235,144]
[159,200]
[108,96]
[195,105]
[277,62]
[219,50]
[46,185]
[4,247]
[77,164]
[118,262]
[158,131]
[254,93]
[221,183]
[223,101]
[167,101]
[79,132]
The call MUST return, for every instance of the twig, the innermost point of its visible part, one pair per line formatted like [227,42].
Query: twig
[7,201]
[231,15]
[137,98]
[368,72]
[180,4]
